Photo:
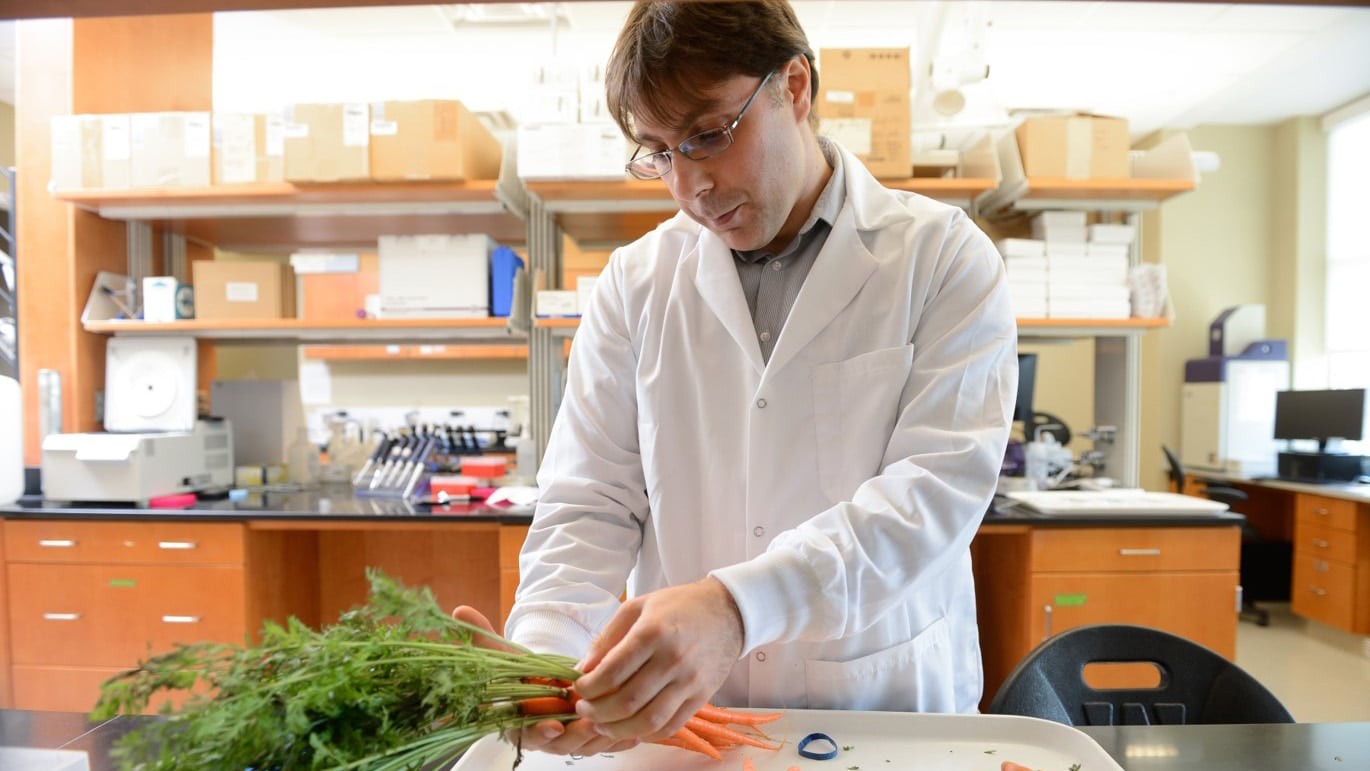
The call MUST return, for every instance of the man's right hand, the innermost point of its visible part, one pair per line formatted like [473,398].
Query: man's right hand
[577,737]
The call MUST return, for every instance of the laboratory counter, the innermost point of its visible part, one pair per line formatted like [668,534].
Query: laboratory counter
[1303,746]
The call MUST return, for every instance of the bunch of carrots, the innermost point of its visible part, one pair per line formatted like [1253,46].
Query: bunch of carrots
[396,685]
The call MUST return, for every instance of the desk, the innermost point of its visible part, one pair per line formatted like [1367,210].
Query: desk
[1329,526]
[1302,746]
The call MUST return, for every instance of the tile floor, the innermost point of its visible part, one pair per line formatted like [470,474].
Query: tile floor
[1321,674]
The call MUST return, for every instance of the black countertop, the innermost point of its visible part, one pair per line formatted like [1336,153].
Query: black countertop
[339,504]
[1295,747]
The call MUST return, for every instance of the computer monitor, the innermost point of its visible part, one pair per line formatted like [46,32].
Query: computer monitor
[1321,415]
[1027,382]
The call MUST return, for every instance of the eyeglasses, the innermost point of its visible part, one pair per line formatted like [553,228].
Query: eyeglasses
[705,144]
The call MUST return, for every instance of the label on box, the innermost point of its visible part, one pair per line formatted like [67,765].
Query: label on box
[275,135]
[842,97]
[384,128]
[852,133]
[240,291]
[294,131]
[117,145]
[355,119]
[197,135]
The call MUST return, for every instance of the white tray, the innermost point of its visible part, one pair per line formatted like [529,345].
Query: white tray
[879,741]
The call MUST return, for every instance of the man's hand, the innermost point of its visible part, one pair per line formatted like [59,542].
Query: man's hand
[659,660]
[578,737]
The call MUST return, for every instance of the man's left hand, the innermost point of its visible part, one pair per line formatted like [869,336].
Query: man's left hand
[662,656]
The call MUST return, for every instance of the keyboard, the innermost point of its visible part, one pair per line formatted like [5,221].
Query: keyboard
[1122,502]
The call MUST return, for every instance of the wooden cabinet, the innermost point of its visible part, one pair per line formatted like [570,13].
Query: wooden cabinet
[1033,582]
[87,599]
[1332,562]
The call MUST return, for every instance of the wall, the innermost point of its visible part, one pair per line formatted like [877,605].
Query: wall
[6,134]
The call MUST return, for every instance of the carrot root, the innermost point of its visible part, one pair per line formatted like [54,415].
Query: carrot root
[720,715]
[714,732]
[689,740]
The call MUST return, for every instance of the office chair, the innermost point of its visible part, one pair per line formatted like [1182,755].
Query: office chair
[1253,566]
[1197,686]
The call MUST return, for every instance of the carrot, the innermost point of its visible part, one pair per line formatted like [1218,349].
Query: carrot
[720,715]
[555,682]
[547,705]
[713,732]
[748,765]
[689,740]
[1009,765]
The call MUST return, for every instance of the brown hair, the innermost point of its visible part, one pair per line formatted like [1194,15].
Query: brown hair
[668,52]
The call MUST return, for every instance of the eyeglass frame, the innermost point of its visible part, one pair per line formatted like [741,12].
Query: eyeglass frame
[726,130]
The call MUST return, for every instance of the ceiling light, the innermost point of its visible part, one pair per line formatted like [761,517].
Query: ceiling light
[505,14]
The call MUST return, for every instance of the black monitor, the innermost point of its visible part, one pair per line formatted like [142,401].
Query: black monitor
[1027,381]
[1320,415]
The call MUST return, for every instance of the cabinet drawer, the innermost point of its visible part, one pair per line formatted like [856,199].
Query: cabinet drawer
[60,689]
[1200,606]
[1135,549]
[113,616]
[1331,512]
[169,543]
[1324,591]
[1324,542]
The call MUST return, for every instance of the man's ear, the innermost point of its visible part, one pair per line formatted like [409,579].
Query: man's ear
[797,79]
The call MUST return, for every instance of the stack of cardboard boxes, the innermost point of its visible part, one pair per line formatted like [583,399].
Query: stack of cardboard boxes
[864,104]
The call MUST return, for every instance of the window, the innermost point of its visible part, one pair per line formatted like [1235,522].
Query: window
[1348,250]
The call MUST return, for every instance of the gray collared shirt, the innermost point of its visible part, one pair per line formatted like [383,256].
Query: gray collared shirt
[771,282]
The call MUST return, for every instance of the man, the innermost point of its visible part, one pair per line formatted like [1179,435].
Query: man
[784,416]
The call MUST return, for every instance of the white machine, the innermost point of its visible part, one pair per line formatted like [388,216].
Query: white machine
[136,468]
[1227,410]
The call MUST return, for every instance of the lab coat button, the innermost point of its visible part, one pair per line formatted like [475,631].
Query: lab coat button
[758,531]
[765,337]
[761,403]
[760,655]
[777,265]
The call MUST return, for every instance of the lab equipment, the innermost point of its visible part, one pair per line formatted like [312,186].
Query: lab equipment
[1227,410]
[150,384]
[137,467]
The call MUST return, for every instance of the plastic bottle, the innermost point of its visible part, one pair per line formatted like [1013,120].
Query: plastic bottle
[11,441]
[302,459]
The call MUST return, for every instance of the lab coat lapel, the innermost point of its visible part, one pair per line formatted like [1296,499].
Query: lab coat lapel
[718,283]
[842,267]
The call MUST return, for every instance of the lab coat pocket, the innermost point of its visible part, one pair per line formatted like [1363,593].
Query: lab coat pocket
[856,403]
[915,675]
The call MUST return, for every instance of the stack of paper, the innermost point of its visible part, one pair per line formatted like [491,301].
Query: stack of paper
[1026,262]
[1087,267]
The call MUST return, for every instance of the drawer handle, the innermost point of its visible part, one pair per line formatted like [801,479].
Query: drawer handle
[61,616]
[1139,552]
[1321,566]
[1321,511]
[57,543]
[177,545]
[1320,543]
[180,619]
[1318,590]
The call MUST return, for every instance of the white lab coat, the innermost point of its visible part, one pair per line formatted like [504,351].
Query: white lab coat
[833,490]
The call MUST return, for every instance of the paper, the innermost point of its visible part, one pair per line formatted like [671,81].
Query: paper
[316,383]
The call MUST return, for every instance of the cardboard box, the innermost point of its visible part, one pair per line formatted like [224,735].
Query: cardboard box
[863,104]
[169,149]
[248,148]
[435,276]
[90,152]
[327,142]
[231,289]
[1074,146]
[554,151]
[431,139]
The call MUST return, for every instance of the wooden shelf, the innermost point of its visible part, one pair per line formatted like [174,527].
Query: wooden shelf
[432,352]
[960,192]
[294,331]
[284,216]
[1123,194]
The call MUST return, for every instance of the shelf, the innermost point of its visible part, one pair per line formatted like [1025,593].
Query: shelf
[958,192]
[294,331]
[285,217]
[1124,194]
[1031,328]
[429,352]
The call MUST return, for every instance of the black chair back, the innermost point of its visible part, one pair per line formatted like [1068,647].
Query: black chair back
[1197,686]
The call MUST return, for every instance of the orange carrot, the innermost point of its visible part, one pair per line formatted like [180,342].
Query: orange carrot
[1009,765]
[547,705]
[720,715]
[748,765]
[713,732]
[689,740]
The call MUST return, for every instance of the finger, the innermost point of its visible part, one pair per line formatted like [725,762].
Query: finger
[633,684]
[578,737]
[469,615]
[661,717]
[618,627]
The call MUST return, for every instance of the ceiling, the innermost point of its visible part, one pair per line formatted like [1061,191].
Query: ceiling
[1161,65]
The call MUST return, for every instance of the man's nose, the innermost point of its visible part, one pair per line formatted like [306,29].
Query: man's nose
[688,179]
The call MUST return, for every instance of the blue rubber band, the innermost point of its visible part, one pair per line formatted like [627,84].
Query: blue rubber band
[816,737]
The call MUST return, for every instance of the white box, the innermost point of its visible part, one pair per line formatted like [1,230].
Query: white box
[166,299]
[1104,249]
[585,289]
[435,276]
[1111,234]
[1067,249]
[1022,247]
[169,149]
[555,151]
[556,302]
